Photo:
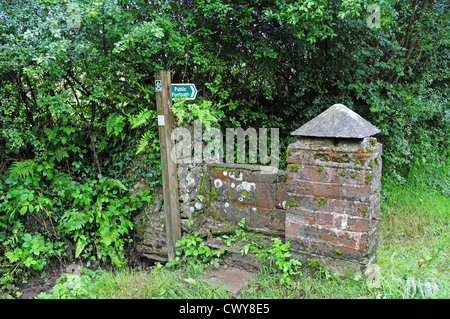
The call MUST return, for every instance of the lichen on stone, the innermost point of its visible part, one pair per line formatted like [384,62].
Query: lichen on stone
[320,201]
[368,178]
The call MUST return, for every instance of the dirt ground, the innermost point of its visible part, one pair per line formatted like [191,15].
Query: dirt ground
[232,278]
[34,285]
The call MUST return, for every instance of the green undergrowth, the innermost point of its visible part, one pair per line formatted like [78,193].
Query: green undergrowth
[412,256]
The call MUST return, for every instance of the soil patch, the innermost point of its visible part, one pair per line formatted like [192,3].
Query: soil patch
[38,282]
[233,279]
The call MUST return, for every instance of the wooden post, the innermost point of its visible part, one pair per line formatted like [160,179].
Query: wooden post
[169,168]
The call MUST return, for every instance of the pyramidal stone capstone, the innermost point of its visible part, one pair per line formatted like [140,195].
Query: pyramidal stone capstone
[339,122]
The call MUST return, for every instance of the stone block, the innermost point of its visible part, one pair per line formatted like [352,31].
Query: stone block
[230,212]
[258,219]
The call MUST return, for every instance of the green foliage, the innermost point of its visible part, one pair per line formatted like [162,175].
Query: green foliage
[261,64]
[276,254]
[93,216]
[318,270]
[310,19]
[187,113]
[73,286]
[97,209]
[33,252]
[239,235]
[77,111]
[192,250]
[141,118]
[22,169]
[414,240]
[115,124]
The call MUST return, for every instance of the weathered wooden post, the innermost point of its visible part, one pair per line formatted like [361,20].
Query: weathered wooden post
[333,191]
[169,168]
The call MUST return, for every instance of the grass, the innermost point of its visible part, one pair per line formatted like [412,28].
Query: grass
[413,255]
[414,243]
[159,282]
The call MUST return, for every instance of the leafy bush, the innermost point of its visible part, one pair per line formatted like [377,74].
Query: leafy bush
[68,218]
[74,286]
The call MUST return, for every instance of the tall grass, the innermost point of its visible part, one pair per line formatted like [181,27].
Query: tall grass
[415,234]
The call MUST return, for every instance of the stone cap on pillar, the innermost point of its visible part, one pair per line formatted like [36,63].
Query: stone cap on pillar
[338,122]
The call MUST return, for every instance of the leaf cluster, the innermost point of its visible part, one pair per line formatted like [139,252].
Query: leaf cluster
[191,249]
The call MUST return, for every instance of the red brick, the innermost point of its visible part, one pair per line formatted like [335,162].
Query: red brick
[281,194]
[312,173]
[358,224]
[335,251]
[330,220]
[266,220]
[352,208]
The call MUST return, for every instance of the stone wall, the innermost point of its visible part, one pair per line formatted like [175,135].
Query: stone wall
[150,227]
[192,183]
[326,205]
[247,191]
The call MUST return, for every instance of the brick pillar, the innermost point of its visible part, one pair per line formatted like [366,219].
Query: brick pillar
[333,200]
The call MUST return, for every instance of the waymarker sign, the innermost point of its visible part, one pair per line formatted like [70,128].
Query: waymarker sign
[185,90]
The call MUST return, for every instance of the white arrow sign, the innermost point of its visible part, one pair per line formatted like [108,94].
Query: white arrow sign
[187,91]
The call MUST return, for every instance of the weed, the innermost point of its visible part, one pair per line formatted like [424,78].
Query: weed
[191,249]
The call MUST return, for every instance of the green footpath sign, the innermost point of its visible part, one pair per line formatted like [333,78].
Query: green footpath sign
[187,91]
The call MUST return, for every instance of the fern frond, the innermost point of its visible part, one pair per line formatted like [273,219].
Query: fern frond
[61,153]
[115,124]
[22,168]
[115,182]
[141,118]
[101,141]
[143,142]
[101,145]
